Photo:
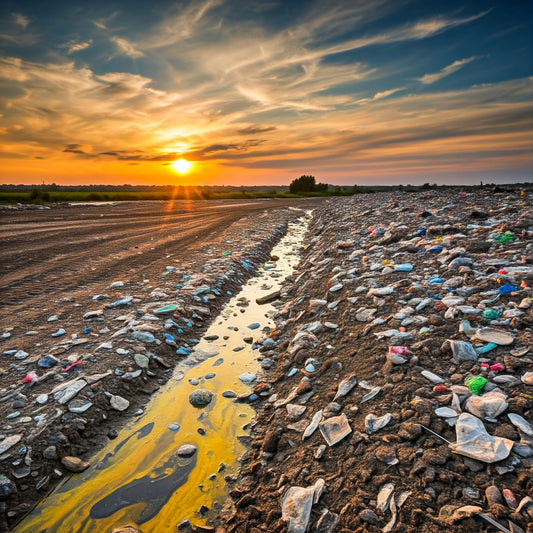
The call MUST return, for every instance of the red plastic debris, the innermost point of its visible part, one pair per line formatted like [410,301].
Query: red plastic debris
[497,367]
[73,365]
[400,350]
[31,377]
[510,499]
[440,388]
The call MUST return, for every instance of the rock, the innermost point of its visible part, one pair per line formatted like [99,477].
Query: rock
[294,412]
[118,403]
[493,495]
[141,360]
[327,522]
[126,529]
[74,464]
[7,488]
[47,361]
[66,394]
[247,377]
[186,450]
[8,442]
[370,517]
[50,452]
[200,397]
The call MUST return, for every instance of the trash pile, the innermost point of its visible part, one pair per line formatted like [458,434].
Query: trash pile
[399,390]
[70,383]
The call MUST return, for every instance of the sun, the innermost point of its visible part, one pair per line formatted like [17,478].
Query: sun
[181,166]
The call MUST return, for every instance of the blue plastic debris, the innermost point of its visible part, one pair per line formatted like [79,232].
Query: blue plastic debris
[436,249]
[507,288]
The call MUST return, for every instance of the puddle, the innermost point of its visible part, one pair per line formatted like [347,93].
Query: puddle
[138,478]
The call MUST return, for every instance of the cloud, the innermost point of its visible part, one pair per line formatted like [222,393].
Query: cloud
[104,22]
[246,96]
[73,46]
[20,20]
[446,71]
[126,47]
[252,130]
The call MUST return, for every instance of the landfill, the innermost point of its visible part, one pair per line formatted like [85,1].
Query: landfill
[397,389]
[416,313]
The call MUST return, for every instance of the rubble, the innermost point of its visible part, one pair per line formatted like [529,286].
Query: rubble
[428,367]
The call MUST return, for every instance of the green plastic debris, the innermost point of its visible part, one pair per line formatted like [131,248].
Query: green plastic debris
[506,237]
[490,314]
[475,384]
[170,308]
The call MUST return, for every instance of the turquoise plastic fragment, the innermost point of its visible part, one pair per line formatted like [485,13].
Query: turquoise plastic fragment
[487,348]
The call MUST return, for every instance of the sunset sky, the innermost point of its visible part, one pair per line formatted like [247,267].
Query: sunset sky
[261,92]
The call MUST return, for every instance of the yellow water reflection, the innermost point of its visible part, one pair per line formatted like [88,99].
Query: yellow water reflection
[138,478]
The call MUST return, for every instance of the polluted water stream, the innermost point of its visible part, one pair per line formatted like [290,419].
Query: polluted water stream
[169,464]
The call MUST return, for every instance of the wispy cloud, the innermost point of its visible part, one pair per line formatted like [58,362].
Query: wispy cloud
[446,71]
[126,47]
[103,23]
[20,20]
[74,46]
[249,97]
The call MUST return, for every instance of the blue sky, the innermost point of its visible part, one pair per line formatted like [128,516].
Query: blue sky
[261,92]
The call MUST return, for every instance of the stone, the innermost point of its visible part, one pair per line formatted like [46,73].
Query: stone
[50,452]
[247,377]
[7,487]
[141,360]
[186,450]
[126,529]
[8,442]
[493,495]
[74,464]
[327,522]
[119,403]
[65,395]
[200,397]
[369,516]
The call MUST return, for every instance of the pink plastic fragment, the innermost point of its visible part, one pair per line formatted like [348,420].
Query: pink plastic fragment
[510,499]
[31,377]
[400,350]
[497,367]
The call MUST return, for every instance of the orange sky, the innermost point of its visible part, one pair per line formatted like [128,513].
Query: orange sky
[355,93]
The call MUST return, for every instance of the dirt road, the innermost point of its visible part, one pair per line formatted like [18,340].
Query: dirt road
[58,263]
[51,253]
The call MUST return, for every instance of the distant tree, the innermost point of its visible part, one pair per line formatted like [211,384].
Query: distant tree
[321,187]
[303,184]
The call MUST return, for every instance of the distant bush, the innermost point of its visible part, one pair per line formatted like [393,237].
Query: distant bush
[307,184]
[38,196]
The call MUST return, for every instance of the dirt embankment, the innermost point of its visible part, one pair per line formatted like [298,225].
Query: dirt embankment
[380,272]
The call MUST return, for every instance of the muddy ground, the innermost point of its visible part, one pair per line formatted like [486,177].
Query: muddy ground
[58,263]
[352,248]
